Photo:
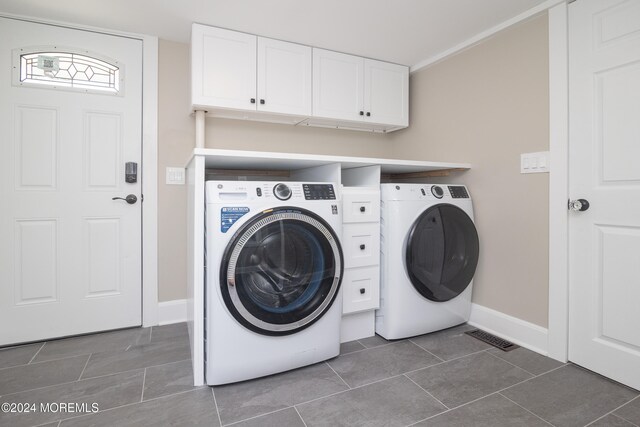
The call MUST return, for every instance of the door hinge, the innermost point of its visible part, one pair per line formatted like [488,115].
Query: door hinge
[142,198]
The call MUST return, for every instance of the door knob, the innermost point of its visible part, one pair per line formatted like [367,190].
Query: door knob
[131,199]
[579,205]
[362,209]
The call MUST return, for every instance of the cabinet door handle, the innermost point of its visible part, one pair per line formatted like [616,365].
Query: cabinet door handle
[362,247]
[362,291]
[368,114]
[262,101]
[362,113]
[253,100]
[362,209]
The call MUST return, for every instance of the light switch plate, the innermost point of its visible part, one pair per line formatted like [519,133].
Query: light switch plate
[534,162]
[175,176]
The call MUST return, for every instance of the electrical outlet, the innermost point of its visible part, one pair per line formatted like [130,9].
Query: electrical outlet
[534,162]
[175,176]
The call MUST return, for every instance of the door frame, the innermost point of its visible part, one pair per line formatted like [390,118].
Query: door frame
[149,158]
[558,331]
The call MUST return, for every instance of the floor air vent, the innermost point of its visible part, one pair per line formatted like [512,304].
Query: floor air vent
[503,345]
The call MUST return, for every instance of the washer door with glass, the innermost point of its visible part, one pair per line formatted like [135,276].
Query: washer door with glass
[281,271]
[442,252]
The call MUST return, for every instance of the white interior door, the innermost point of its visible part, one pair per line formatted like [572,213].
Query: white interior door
[604,128]
[70,117]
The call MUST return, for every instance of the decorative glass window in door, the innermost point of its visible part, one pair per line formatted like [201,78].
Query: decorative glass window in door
[69,70]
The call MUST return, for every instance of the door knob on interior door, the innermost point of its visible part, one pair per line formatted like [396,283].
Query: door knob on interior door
[579,205]
[131,199]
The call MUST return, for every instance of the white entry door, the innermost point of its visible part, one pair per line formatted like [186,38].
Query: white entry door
[70,117]
[604,112]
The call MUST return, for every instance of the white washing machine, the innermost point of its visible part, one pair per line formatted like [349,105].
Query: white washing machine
[429,253]
[274,268]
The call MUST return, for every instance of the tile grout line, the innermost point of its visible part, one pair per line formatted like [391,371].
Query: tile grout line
[298,412]
[144,379]
[612,413]
[531,412]
[130,404]
[215,402]
[135,369]
[37,352]
[256,416]
[85,367]
[624,419]
[45,361]
[372,348]
[425,390]
[480,398]
[424,349]
[344,391]
[535,375]
[620,416]
[334,371]
[446,361]
[70,382]
[512,364]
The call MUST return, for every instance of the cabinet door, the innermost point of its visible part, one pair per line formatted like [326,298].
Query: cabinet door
[338,86]
[386,94]
[284,77]
[223,68]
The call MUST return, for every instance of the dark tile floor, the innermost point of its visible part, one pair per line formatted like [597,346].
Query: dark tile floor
[143,377]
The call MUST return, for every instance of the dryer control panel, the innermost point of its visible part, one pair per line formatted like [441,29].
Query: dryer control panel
[318,192]
[458,192]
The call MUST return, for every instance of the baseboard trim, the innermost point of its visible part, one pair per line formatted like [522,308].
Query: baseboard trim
[172,311]
[511,328]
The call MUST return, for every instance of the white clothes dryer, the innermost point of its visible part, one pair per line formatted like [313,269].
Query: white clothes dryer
[429,253]
[274,268]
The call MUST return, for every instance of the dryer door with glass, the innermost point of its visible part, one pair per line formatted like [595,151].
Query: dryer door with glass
[281,271]
[442,252]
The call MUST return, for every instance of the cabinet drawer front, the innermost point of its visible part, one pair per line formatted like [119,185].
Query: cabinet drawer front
[361,289]
[361,244]
[361,207]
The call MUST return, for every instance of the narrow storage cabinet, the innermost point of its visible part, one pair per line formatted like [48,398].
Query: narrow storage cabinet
[361,247]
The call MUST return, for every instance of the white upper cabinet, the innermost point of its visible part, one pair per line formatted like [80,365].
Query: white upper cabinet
[243,76]
[223,68]
[338,85]
[347,87]
[238,71]
[284,77]
[386,94]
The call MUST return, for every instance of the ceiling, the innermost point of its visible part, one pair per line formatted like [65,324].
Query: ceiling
[401,31]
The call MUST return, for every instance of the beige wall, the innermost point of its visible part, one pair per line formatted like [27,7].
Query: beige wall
[485,106]
[176,141]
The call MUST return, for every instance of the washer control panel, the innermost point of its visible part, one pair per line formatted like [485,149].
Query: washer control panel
[318,192]
[458,192]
